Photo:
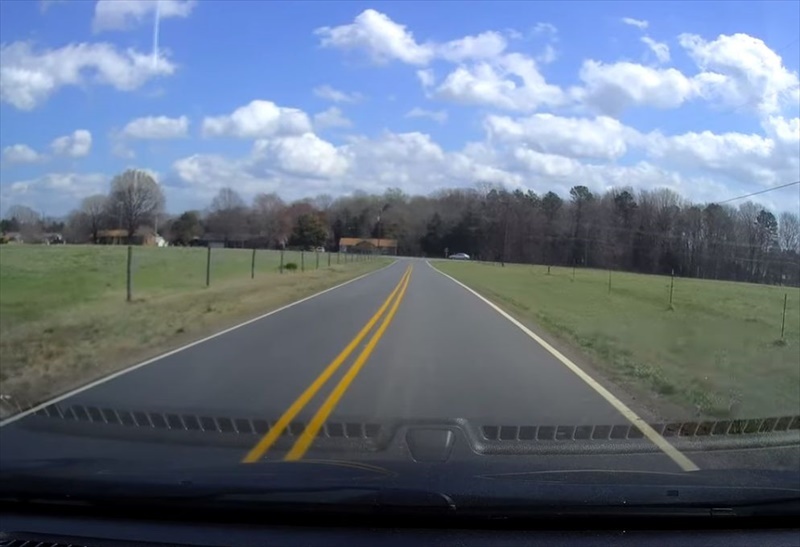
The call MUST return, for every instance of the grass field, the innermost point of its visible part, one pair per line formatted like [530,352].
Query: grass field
[64,319]
[716,353]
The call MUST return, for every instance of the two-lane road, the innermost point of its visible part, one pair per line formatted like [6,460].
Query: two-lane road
[403,343]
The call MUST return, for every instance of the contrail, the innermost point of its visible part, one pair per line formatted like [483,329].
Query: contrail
[155,36]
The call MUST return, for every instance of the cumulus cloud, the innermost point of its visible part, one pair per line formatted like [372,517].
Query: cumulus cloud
[382,40]
[638,23]
[741,70]
[426,77]
[746,158]
[126,14]
[738,71]
[76,145]
[512,82]
[305,155]
[659,49]
[28,76]
[613,87]
[334,95]
[546,29]
[548,55]
[331,118]
[439,116]
[258,119]
[483,46]
[599,138]
[53,193]
[379,37]
[157,127]
[21,153]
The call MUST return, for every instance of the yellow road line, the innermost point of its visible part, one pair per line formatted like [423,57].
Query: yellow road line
[652,435]
[304,442]
[283,422]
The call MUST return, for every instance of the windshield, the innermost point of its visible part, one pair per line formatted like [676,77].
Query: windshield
[522,248]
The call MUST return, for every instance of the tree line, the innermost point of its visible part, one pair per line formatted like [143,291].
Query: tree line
[647,231]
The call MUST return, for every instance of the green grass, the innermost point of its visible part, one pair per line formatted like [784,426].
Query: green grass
[717,352]
[64,319]
[37,280]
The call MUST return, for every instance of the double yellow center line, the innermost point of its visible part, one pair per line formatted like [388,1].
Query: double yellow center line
[307,437]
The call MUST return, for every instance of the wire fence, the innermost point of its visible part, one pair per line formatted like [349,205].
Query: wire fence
[174,267]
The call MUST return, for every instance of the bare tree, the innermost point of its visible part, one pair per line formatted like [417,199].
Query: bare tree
[23,214]
[266,217]
[789,232]
[136,197]
[29,222]
[227,213]
[94,208]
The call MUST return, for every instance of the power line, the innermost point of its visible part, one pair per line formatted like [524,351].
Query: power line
[759,192]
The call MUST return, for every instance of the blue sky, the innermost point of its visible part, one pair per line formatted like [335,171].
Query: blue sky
[337,97]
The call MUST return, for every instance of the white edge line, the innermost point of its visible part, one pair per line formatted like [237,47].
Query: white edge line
[677,456]
[131,368]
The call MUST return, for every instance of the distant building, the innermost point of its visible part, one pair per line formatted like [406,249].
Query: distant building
[11,237]
[143,236]
[368,245]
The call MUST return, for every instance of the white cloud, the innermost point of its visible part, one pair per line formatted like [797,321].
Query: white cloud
[45,5]
[384,40]
[548,55]
[331,94]
[486,45]
[741,70]
[306,156]
[613,87]
[638,23]
[258,119]
[547,165]
[380,37]
[746,158]
[21,153]
[28,77]
[126,14]
[545,28]
[417,164]
[439,116]
[426,77]
[75,146]
[512,82]
[660,49]
[53,193]
[330,118]
[542,152]
[205,174]
[600,138]
[157,127]
[738,71]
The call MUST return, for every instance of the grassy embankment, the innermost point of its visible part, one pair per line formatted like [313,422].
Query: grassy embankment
[64,320]
[716,353]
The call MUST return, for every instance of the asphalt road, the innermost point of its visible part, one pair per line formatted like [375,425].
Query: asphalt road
[442,357]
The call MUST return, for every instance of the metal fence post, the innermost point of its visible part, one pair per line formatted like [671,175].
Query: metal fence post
[671,287]
[783,321]
[253,265]
[317,257]
[208,267]
[129,275]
